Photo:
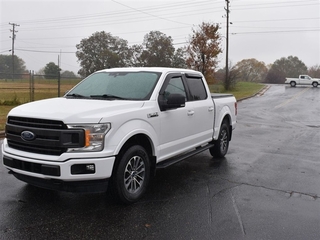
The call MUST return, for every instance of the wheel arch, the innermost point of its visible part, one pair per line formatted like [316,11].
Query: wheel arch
[225,114]
[142,140]
[227,120]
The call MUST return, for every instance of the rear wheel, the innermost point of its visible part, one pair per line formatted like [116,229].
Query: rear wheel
[292,84]
[221,145]
[132,174]
[315,84]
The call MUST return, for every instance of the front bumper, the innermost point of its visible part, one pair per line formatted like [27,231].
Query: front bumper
[91,186]
[64,175]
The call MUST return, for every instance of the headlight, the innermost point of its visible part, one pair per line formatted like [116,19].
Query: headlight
[94,136]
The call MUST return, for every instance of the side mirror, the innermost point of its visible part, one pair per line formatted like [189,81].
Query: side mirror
[173,101]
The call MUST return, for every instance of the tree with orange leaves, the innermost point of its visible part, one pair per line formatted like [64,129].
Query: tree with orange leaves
[203,49]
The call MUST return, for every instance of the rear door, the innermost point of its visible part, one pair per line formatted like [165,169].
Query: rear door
[202,115]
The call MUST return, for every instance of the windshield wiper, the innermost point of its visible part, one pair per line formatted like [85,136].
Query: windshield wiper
[76,95]
[107,96]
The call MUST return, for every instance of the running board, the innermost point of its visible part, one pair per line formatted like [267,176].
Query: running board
[180,158]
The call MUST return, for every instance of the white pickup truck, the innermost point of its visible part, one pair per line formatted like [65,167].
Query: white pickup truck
[303,80]
[115,128]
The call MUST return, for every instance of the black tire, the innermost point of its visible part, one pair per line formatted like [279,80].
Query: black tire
[220,148]
[315,84]
[292,84]
[132,175]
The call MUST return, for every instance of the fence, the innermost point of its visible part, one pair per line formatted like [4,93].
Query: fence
[21,88]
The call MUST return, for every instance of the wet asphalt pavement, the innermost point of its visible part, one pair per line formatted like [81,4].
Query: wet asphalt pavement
[267,187]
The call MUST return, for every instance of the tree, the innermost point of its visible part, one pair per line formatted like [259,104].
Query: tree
[179,57]
[285,67]
[136,51]
[68,74]
[274,75]
[314,71]
[100,51]
[6,65]
[203,49]
[158,50]
[233,75]
[40,71]
[51,70]
[251,70]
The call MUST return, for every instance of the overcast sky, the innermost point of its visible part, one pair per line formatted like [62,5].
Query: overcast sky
[265,30]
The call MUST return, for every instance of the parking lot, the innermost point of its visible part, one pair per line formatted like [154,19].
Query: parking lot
[267,187]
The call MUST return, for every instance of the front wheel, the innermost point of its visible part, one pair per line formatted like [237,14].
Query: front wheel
[292,84]
[132,174]
[315,84]
[221,145]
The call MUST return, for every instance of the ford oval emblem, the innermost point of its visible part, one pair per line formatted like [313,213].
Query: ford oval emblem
[28,136]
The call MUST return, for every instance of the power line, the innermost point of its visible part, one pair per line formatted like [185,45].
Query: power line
[9,50]
[121,14]
[284,31]
[186,5]
[280,19]
[71,24]
[41,51]
[152,15]
[278,4]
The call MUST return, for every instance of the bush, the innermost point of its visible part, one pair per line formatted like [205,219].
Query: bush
[14,102]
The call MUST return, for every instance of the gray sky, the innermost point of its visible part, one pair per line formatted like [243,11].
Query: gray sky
[265,30]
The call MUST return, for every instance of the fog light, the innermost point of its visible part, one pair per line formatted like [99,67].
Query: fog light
[83,169]
[90,168]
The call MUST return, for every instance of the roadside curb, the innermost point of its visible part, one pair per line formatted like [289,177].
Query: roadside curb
[260,93]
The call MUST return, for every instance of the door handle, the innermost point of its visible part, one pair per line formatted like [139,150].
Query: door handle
[210,109]
[190,113]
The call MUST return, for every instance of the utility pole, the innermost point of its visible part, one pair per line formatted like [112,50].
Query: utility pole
[13,38]
[227,46]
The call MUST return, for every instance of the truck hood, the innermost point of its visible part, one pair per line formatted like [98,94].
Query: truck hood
[74,110]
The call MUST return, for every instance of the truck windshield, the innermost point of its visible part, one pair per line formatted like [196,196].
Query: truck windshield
[116,85]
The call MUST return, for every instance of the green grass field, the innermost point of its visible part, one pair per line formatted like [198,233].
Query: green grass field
[241,90]
[18,92]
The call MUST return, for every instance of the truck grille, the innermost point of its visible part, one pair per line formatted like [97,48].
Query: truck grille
[38,123]
[42,136]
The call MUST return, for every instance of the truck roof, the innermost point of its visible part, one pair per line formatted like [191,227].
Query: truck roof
[149,69]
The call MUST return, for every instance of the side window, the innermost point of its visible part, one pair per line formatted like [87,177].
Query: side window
[175,85]
[197,89]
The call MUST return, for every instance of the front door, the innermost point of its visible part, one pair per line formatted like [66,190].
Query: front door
[175,124]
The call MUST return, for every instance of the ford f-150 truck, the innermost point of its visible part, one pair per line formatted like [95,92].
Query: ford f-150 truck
[303,80]
[115,128]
